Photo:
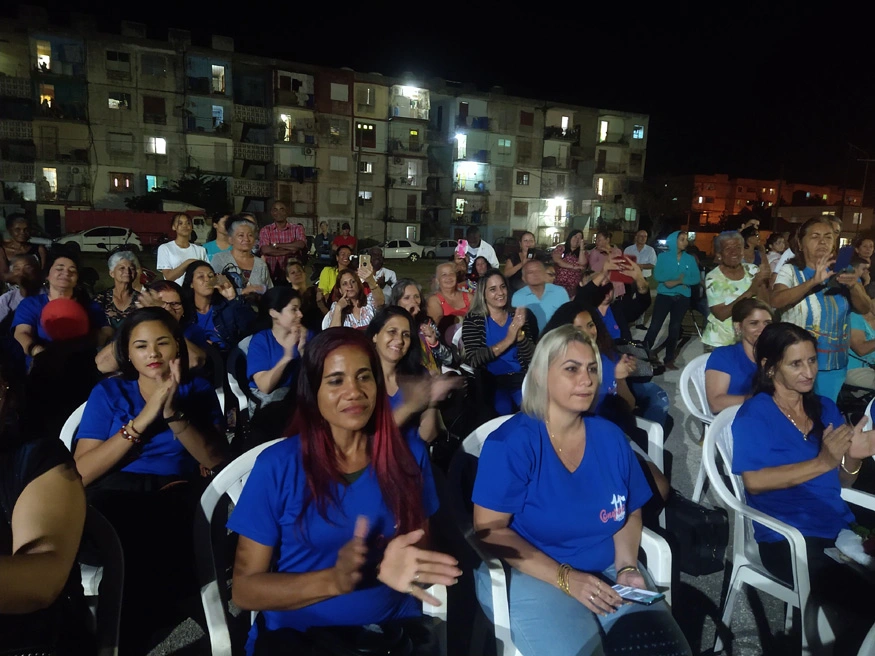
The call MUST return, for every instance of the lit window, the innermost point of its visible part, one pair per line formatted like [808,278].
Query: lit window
[522,178]
[156,146]
[286,120]
[44,55]
[630,214]
[121,183]
[638,132]
[366,195]
[47,95]
[564,124]
[771,191]
[504,144]
[218,79]
[701,200]
[600,186]
[858,217]
[118,100]
[218,115]
[824,197]
[51,175]
[366,167]
[461,146]
[603,131]
[155,182]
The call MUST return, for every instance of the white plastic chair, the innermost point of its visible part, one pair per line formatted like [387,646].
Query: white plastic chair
[326,320]
[656,550]
[68,431]
[747,567]
[214,597]
[235,385]
[694,373]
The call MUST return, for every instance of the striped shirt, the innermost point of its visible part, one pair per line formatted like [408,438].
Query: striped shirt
[272,234]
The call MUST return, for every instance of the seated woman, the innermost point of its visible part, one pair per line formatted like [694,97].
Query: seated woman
[448,305]
[219,311]
[499,341]
[354,308]
[41,605]
[313,304]
[352,483]
[413,394]
[730,372]
[549,463]
[221,240]
[253,276]
[478,270]
[407,294]
[120,300]
[861,357]
[328,275]
[794,453]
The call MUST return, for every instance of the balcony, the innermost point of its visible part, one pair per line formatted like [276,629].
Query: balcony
[438,199]
[254,188]
[404,214]
[470,187]
[252,114]
[398,147]
[472,122]
[155,119]
[16,172]
[16,130]
[63,111]
[558,134]
[552,162]
[611,167]
[411,181]
[300,174]
[14,87]
[253,152]
[481,156]
[477,217]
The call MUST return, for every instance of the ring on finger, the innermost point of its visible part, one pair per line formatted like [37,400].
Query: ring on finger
[592,599]
[416,578]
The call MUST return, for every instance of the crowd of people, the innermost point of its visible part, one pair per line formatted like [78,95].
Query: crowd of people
[369,378]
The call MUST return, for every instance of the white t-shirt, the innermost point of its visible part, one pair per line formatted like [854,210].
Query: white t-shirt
[483,250]
[389,280]
[645,256]
[171,256]
[785,257]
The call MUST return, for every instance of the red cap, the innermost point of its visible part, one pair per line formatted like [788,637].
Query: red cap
[64,319]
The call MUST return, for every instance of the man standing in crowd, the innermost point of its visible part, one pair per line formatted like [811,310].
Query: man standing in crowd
[644,254]
[479,248]
[281,240]
[539,296]
[385,278]
[322,244]
[603,251]
[344,239]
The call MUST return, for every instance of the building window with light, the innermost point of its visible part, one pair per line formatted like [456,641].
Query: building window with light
[121,183]
[603,131]
[366,195]
[366,135]
[366,168]
[600,186]
[522,178]
[154,182]
[218,79]
[51,176]
[155,146]
[638,132]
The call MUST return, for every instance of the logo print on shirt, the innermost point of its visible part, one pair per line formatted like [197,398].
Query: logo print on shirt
[618,514]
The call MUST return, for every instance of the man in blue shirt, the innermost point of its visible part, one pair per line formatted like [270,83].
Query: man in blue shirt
[539,296]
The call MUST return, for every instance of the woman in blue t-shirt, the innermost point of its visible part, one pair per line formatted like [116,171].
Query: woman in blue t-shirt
[413,392]
[730,371]
[220,312]
[794,453]
[328,519]
[558,495]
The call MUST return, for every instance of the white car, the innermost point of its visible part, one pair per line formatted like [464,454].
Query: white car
[404,249]
[102,239]
[446,249]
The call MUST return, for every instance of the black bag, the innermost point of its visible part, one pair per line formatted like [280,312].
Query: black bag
[698,535]
[645,369]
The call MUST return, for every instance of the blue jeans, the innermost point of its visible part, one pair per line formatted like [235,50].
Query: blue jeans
[664,305]
[544,621]
[652,401]
[829,383]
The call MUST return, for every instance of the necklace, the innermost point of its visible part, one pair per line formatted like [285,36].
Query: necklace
[552,436]
[792,421]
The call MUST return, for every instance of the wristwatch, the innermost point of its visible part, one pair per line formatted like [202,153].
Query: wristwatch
[179,415]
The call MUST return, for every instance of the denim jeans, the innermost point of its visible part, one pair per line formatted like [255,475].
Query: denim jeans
[652,401]
[664,305]
[544,621]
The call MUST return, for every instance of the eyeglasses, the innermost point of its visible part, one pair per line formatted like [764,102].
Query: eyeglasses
[176,305]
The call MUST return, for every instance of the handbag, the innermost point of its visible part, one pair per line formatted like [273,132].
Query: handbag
[698,535]
[644,359]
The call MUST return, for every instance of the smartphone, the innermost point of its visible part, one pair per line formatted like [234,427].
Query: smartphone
[365,260]
[619,276]
[462,248]
[637,595]
[530,255]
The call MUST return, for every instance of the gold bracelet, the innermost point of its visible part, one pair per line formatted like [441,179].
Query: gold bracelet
[851,473]
[628,568]
[562,578]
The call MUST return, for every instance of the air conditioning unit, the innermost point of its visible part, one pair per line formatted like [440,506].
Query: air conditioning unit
[307,151]
[74,170]
[398,160]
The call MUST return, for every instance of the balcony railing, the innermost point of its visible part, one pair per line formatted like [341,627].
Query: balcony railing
[470,187]
[65,111]
[296,173]
[472,122]
[552,162]
[611,167]
[398,146]
[558,134]
[256,188]
[481,156]
[476,217]
[17,130]
[252,114]
[253,152]
[155,119]
[407,181]
[16,172]
[14,87]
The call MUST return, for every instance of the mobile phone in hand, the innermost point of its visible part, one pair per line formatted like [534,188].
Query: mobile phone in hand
[365,260]
[462,248]
[637,595]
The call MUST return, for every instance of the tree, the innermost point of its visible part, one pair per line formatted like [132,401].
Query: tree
[197,189]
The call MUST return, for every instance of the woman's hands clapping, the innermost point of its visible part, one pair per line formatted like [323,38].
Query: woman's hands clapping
[835,444]
[626,366]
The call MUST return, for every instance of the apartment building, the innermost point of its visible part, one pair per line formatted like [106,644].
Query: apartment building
[91,119]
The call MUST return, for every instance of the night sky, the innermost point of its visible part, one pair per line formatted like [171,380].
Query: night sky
[737,89]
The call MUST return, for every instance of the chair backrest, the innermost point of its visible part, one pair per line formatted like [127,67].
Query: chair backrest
[868,414]
[236,365]
[68,431]
[473,444]
[101,534]
[326,320]
[229,481]
[694,373]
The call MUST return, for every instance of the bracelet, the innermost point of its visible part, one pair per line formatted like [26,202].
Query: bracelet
[852,473]
[562,578]
[133,429]
[628,568]
[130,438]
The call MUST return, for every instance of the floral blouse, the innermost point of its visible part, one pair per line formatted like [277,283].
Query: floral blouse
[366,315]
[113,315]
[721,290]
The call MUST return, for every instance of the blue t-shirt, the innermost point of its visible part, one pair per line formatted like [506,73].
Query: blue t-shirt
[31,307]
[263,354]
[206,323]
[507,362]
[268,512]
[764,437]
[195,334]
[570,516]
[412,431]
[856,361]
[608,384]
[212,249]
[611,324]
[733,360]
[115,401]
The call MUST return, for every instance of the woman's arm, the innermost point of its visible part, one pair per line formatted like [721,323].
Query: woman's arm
[336,311]
[431,425]
[376,292]
[627,540]
[104,336]
[511,269]
[267,381]
[177,272]
[26,336]
[859,344]
[434,310]
[204,444]
[45,539]
[105,360]
[625,393]
[717,391]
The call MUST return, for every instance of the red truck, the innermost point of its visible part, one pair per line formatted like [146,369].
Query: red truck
[153,228]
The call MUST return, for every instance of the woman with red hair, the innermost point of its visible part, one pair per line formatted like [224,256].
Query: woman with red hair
[329,519]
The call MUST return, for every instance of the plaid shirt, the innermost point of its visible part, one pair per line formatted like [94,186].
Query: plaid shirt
[271,234]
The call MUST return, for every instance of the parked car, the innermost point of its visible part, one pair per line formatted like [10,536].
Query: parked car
[400,249]
[445,249]
[101,238]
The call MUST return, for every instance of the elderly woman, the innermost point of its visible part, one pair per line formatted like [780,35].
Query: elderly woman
[499,341]
[794,453]
[250,271]
[120,300]
[360,491]
[355,308]
[219,311]
[447,305]
[551,462]
[730,371]
[407,294]
[733,280]
[813,297]
[571,261]
[18,243]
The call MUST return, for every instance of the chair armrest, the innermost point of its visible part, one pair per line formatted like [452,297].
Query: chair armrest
[498,580]
[440,612]
[858,498]
[655,441]
[658,560]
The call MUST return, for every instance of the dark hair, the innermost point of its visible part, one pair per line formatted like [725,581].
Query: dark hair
[217,219]
[747,306]
[568,250]
[340,248]
[12,218]
[336,293]
[397,293]
[606,233]
[188,311]
[188,276]
[567,312]
[474,275]
[396,471]
[176,216]
[858,241]
[798,259]
[79,293]
[411,363]
[345,226]
[472,230]
[748,232]
[123,337]
[773,239]
[856,260]
[773,342]
[276,298]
